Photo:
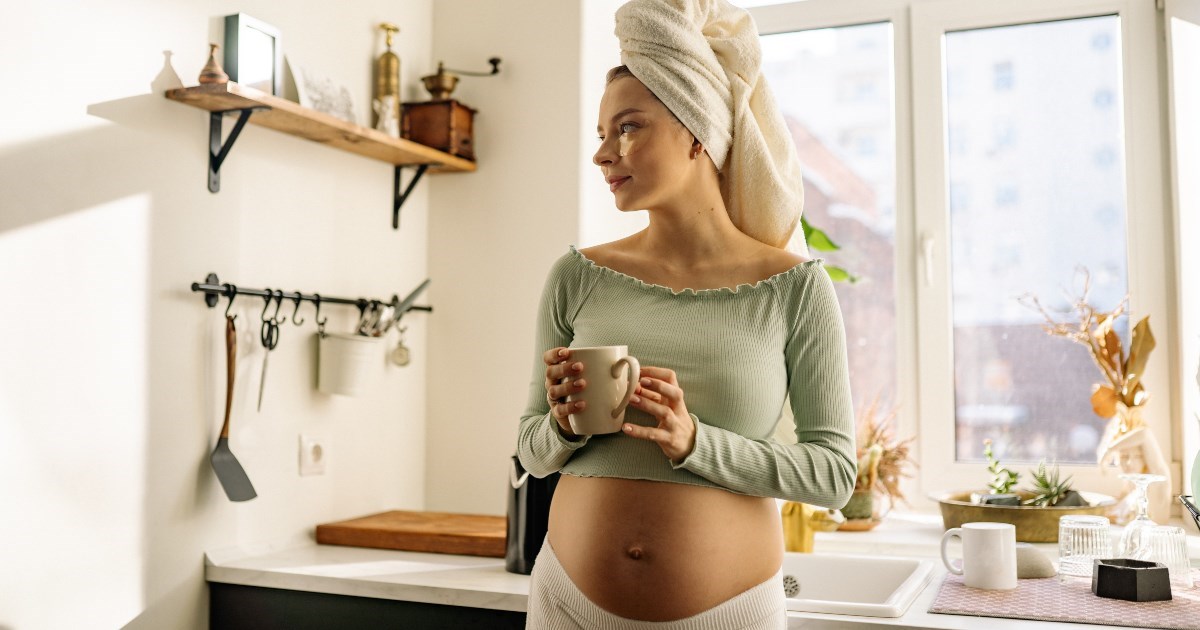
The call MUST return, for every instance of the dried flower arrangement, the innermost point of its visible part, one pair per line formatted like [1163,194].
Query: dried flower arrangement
[1123,390]
[882,459]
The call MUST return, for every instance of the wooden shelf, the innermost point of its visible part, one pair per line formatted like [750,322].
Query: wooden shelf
[290,118]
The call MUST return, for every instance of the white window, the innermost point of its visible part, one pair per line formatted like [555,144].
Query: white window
[1013,141]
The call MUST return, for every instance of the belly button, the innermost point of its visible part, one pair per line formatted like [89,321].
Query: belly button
[635,553]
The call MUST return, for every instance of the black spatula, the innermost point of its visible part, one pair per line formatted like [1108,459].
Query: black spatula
[233,478]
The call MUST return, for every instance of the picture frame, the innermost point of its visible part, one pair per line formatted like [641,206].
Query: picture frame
[253,53]
[319,92]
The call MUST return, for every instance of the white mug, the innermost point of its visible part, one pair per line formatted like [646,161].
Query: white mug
[612,376]
[989,555]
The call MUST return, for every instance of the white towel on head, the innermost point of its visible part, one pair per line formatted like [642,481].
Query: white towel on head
[702,59]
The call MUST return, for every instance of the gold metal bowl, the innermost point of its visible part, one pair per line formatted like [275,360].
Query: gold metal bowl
[1034,523]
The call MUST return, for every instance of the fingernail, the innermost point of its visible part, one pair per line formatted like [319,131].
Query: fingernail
[635,398]
[578,367]
[627,428]
[564,352]
[579,405]
[645,381]
[579,383]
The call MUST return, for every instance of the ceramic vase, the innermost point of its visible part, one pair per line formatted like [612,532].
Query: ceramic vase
[212,71]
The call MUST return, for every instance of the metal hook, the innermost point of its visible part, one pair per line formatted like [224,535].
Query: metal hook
[296,311]
[317,302]
[268,297]
[278,303]
[231,291]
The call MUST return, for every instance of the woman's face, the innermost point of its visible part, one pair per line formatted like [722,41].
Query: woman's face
[642,142]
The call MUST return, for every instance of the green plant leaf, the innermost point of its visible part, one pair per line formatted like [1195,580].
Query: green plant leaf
[817,238]
[838,274]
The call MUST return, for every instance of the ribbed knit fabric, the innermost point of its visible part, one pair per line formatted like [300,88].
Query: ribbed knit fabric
[738,354]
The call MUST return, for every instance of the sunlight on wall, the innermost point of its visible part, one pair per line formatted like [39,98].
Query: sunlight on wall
[73,408]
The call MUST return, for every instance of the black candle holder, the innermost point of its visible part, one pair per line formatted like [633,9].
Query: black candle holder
[1131,580]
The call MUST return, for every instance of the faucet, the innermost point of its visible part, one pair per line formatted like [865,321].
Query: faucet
[801,521]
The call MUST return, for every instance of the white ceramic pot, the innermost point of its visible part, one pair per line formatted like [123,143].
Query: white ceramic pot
[347,364]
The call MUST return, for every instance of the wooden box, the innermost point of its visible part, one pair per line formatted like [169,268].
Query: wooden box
[444,125]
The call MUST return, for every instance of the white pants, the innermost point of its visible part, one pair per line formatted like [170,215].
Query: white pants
[555,603]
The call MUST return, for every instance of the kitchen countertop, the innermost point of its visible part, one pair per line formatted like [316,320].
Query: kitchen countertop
[479,582]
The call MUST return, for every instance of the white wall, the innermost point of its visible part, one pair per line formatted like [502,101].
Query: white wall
[112,370]
[494,234]
[599,221]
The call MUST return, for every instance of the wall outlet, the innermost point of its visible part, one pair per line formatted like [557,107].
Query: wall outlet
[312,455]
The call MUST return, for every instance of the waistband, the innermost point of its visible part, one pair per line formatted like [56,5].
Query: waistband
[745,610]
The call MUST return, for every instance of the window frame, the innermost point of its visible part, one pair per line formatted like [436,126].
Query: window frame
[925,359]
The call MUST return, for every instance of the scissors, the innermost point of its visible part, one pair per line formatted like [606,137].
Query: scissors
[269,335]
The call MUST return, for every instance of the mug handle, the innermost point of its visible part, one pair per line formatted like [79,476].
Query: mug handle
[635,374]
[951,566]
[513,479]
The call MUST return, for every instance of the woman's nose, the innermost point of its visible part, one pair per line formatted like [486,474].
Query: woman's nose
[604,154]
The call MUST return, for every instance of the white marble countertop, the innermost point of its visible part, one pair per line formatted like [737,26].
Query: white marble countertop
[479,582]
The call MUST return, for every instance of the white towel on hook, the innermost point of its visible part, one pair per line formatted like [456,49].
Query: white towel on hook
[702,59]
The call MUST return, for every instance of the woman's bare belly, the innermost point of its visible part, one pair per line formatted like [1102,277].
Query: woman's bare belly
[659,551]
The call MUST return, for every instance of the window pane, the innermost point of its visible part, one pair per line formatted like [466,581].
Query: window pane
[1036,188]
[835,87]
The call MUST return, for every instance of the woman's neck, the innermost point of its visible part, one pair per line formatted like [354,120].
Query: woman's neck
[693,237]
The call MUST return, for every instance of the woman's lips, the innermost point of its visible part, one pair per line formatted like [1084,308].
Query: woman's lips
[617,184]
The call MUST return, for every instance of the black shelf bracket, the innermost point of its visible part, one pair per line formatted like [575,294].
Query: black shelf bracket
[218,151]
[400,197]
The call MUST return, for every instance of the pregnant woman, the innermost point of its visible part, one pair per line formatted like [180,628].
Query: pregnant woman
[671,522]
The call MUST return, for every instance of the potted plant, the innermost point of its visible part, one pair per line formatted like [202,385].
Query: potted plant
[882,461]
[1034,512]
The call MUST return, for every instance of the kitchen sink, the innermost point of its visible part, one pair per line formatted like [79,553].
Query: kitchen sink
[845,584]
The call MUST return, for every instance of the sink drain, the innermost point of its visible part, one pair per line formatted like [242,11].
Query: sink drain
[791,586]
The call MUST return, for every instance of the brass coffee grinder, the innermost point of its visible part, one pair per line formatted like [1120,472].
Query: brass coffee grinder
[442,122]
[442,84]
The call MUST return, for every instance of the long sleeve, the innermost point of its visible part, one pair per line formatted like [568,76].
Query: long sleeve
[821,468]
[541,448]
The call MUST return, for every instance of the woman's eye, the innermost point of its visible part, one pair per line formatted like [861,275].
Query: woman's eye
[621,127]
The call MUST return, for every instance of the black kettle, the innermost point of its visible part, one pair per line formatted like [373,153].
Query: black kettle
[528,516]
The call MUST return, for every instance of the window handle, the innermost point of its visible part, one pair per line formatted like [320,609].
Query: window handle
[927,258]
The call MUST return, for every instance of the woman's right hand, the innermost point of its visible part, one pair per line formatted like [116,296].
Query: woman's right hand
[558,367]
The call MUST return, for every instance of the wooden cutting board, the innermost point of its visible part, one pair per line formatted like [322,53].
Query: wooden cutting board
[437,532]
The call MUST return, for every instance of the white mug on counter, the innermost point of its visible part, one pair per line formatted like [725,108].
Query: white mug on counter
[989,555]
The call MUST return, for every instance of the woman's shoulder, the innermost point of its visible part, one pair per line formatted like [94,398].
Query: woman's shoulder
[776,261]
[611,254]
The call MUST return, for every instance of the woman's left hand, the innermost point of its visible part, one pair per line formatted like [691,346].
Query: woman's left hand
[659,395]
